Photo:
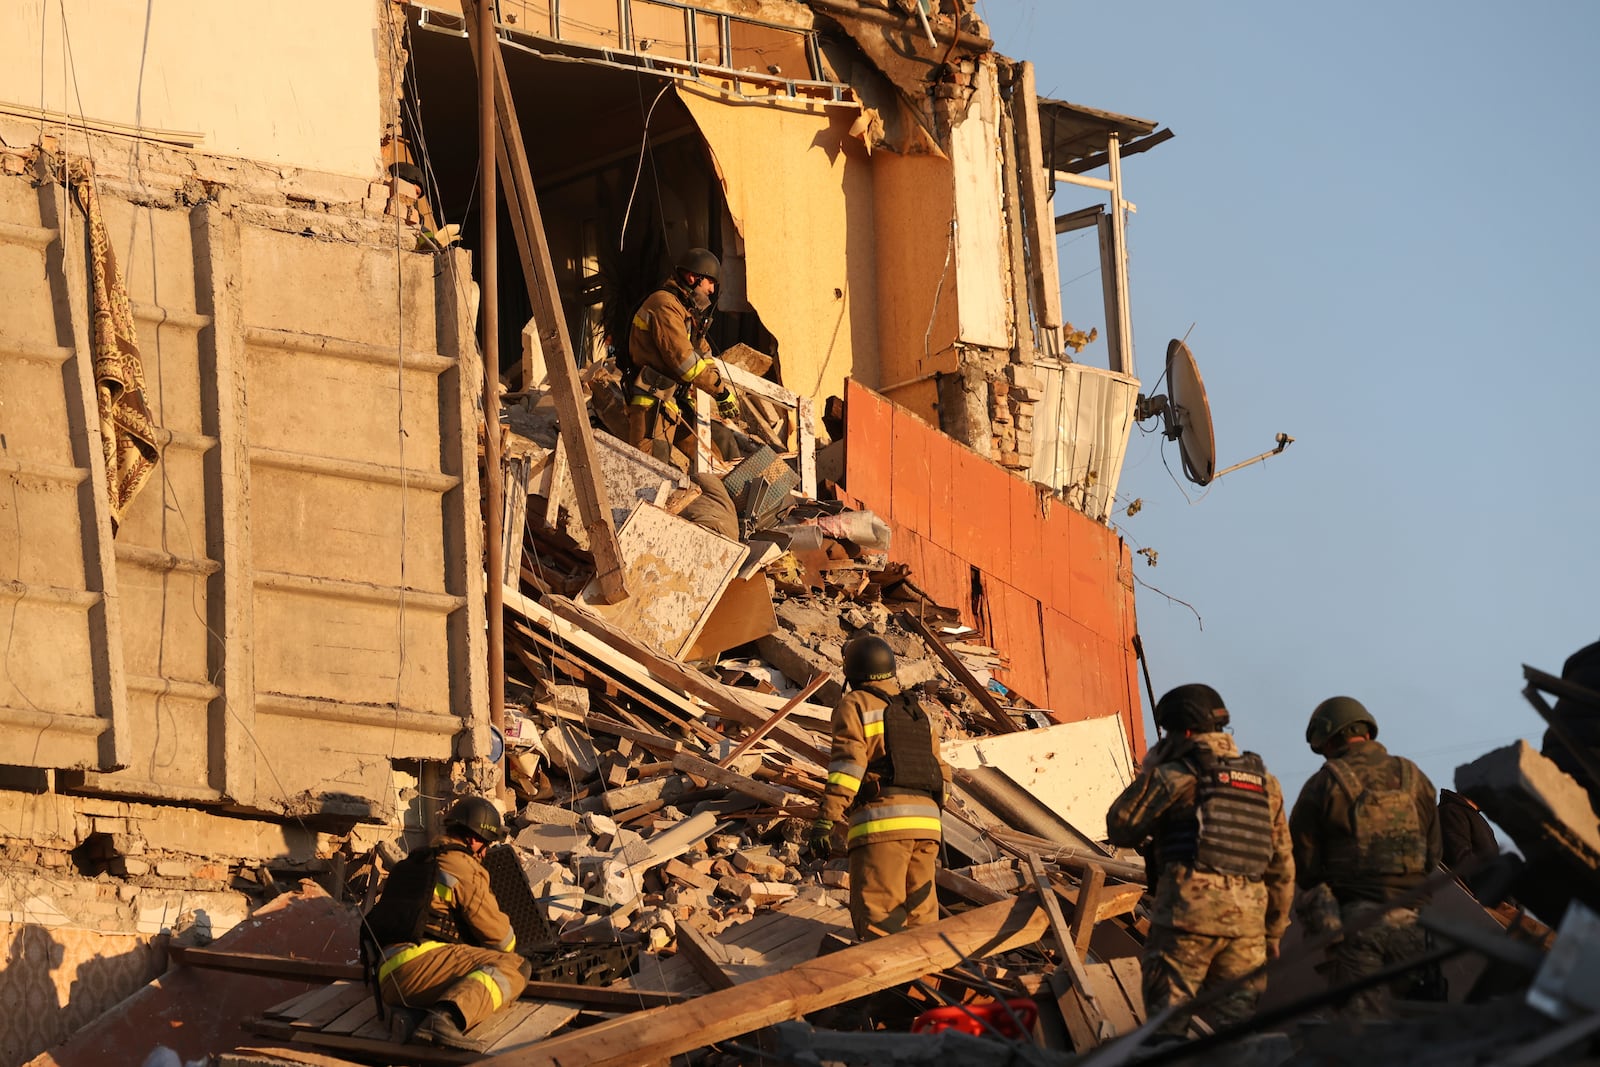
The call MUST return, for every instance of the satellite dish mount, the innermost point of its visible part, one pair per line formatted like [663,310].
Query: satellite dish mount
[1186,418]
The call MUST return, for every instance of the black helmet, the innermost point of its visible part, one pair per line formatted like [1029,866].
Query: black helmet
[868,659]
[700,261]
[477,817]
[1191,707]
[1334,716]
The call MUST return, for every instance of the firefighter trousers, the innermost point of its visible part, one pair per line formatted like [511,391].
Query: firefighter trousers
[891,885]
[477,981]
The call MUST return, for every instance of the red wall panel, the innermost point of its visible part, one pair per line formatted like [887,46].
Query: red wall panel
[1058,587]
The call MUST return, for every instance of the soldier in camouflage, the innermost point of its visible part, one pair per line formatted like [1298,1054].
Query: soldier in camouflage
[1210,820]
[1366,833]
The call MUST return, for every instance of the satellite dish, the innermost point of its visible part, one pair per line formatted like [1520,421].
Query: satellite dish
[1186,418]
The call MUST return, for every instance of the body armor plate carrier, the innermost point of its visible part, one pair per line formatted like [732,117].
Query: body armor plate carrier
[908,763]
[1388,837]
[1229,829]
[404,914]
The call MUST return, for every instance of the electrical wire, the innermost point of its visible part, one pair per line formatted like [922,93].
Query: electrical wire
[644,148]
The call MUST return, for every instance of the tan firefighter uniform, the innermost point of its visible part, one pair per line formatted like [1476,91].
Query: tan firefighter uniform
[668,348]
[894,827]
[465,955]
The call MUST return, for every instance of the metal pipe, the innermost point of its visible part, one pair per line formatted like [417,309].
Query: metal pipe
[488,280]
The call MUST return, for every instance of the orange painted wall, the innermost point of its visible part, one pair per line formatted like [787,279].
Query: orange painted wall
[1057,587]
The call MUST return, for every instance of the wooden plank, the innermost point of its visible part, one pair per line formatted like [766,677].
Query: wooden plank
[845,975]
[1108,995]
[1085,913]
[723,700]
[292,1007]
[767,727]
[967,888]
[353,1018]
[264,965]
[767,794]
[1073,966]
[1081,1028]
[545,297]
[705,956]
[997,716]
[346,997]
[1130,976]
[1043,270]
[535,1026]
[612,998]
[518,470]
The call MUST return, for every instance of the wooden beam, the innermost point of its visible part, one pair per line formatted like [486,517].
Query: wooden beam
[596,996]
[594,505]
[767,794]
[767,727]
[265,966]
[998,718]
[1072,966]
[662,1033]
[1044,273]
[723,700]
[1087,911]
[702,954]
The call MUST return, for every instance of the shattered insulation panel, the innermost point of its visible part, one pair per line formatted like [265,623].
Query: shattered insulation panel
[809,263]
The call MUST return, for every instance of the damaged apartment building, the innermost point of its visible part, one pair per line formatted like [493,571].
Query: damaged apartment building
[243,599]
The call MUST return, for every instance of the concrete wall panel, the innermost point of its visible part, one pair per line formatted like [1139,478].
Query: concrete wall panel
[340,527]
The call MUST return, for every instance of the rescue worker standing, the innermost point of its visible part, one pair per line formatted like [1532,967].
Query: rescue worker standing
[1219,854]
[668,350]
[1366,833]
[443,940]
[886,774]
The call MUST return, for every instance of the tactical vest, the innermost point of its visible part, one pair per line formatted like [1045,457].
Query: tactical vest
[1387,836]
[908,763]
[405,914]
[1229,829]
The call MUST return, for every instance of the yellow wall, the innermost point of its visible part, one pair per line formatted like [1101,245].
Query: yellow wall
[293,82]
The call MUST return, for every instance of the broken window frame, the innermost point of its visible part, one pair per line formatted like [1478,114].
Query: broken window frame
[628,56]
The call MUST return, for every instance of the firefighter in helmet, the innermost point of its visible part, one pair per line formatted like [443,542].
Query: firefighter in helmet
[440,938]
[886,775]
[669,355]
[1366,835]
[1211,821]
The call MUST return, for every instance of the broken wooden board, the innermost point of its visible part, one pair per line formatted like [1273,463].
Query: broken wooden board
[661,1033]
[675,572]
[743,613]
[725,701]
[1076,769]
[800,408]
[631,476]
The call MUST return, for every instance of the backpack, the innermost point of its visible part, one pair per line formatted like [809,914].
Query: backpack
[1388,838]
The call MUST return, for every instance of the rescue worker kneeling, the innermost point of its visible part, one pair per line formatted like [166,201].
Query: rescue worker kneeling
[444,943]
[1218,851]
[885,772]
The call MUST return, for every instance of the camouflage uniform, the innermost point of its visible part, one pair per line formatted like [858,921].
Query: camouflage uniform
[1207,928]
[894,831]
[1366,826]
[465,957]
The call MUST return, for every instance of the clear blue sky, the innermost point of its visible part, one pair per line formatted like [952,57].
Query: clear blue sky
[1381,220]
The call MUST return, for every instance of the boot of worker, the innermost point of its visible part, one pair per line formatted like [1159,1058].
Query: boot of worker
[443,1026]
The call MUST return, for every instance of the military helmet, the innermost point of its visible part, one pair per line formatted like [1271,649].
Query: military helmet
[1334,716]
[701,261]
[868,659]
[477,817]
[1191,707]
